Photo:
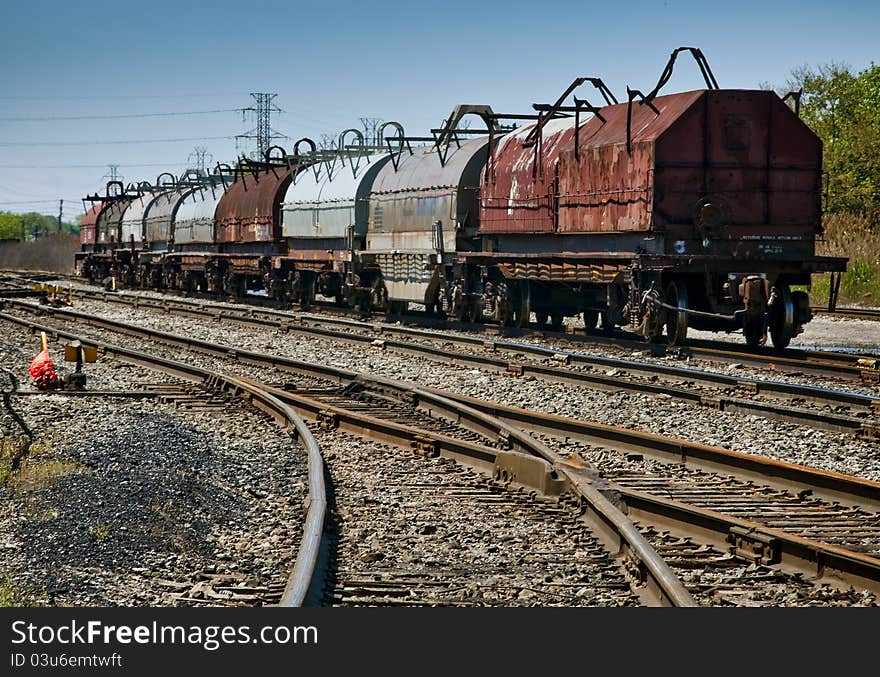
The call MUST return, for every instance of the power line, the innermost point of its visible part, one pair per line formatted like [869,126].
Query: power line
[31,202]
[92,97]
[148,164]
[371,125]
[108,143]
[200,155]
[113,173]
[118,117]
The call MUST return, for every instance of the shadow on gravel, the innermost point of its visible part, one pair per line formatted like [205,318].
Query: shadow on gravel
[151,491]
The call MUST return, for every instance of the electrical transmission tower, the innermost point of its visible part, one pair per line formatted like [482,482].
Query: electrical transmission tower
[327,142]
[199,158]
[113,173]
[371,125]
[263,132]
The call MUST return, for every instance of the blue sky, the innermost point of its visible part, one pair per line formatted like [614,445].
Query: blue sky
[333,62]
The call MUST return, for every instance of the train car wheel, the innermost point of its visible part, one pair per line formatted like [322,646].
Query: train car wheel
[781,316]
[522,309]
[676,323]
[475,313]
[309,289]
[591,319]
[541,319]
[557,322]
[755,332]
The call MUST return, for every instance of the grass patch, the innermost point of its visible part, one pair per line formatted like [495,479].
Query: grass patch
[14,594]
[101,531]
[855,238]
[163,509]
[37,474]
[26,467]
[12,451]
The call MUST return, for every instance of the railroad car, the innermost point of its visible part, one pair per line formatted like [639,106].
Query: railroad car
[248,225]
[324,225]
[100,231]
[693,209]
[698,208]
[422,208]
[154,267]
[193,242]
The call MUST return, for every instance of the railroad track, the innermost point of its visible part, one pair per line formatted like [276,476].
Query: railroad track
[854,313]
[745,537]
[834,410]
[210,390]
[474,445]
[425,507]
[845,366]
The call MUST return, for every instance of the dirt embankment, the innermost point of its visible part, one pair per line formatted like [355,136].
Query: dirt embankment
[52,253]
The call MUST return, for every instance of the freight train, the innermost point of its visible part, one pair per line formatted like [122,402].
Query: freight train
[694,209]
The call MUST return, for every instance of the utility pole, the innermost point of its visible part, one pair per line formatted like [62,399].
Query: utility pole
[263,132]
[60,214]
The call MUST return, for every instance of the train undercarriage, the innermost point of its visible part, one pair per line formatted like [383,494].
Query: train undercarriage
[653,298]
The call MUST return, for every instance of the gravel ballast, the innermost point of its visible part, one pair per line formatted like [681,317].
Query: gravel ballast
[143,502]
[783,441]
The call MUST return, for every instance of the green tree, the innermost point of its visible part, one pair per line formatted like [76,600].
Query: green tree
[30,225]
[843,108]
[10,226]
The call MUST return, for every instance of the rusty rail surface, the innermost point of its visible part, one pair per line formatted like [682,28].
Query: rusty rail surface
[855,313]
[834,421]
[528,462]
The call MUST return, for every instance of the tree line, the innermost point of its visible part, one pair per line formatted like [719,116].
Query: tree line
[31,226]
[843,108]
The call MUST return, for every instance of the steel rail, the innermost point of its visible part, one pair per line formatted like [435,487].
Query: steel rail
[794,550]
[530,464]
[765,545]
[301,583]
[834,486]
[845,365]
[855,313]
[804,416]
[864,366]
[827,485]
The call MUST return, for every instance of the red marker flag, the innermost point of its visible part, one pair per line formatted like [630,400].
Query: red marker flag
[43,371]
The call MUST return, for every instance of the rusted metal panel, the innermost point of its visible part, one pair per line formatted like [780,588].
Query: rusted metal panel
[518,195]
[605,188]
[794,186]
[194,218]
[132,226]
[421,190]
[158,219]
[87,231]
[748,154]
[743,152]
[250,211]
[110,220]
[326,199]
